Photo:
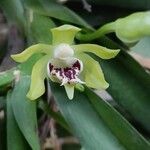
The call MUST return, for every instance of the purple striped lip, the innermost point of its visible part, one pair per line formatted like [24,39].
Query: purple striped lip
[67,74]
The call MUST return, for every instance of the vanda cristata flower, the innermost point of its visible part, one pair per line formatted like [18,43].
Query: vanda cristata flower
[65,63]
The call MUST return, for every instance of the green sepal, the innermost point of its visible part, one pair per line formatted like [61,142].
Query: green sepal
[100,51]
[39,73]
[64,34]
[27,53]
[133,27]
[92,73]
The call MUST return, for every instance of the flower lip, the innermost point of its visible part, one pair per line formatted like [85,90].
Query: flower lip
[67,74]
[63,51]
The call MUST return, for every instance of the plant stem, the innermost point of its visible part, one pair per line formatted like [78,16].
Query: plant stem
[105,29]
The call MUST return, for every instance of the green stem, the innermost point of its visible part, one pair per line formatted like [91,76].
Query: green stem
[107,28]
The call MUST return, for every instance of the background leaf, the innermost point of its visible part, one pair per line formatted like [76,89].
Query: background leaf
[14,12]
[6,77]
[2,102]
[55,10]
[129,86]
[15,139]
[127,135]
[131,4]
[84,121]
[40,29]
[25,112]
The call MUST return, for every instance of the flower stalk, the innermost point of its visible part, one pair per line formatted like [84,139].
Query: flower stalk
[105,29]
[129,29]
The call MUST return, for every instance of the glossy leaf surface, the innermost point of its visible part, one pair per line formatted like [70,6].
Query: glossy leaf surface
[25,112]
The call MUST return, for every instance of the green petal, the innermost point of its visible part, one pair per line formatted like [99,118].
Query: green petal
[64,34]
[39,72]
[92,73]
[69,90]
[100,51]
[27,53]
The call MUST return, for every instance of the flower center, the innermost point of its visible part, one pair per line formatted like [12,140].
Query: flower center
[64,75]
[63,51]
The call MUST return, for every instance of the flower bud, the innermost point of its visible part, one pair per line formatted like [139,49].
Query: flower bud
[133,27]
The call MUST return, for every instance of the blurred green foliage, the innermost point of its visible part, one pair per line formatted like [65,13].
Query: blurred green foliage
[97,124]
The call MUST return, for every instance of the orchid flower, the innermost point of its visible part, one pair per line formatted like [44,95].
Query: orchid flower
[65,63]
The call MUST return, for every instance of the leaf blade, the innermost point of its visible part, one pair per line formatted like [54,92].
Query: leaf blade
[93,134]
[123,130]
[27,120]
[127,79]
[15,139]
[55,10]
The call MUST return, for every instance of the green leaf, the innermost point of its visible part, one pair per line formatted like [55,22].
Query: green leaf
[120,127]
[129,86]
[131,4]
[6,77]
[40,27]
[25,112]
[2,102]
[14,12]
[85,123]
[55,10]
[15,139]
[3,139]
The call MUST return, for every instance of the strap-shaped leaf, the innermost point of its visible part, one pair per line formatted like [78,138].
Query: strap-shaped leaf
[37,87]
[100,51]
[25,112]
[92,73]
[125,75]
[6,77]
[85,123]
[53,9]
[14,12]
[27,53]
[39,29]
[120,127]
[15,139]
